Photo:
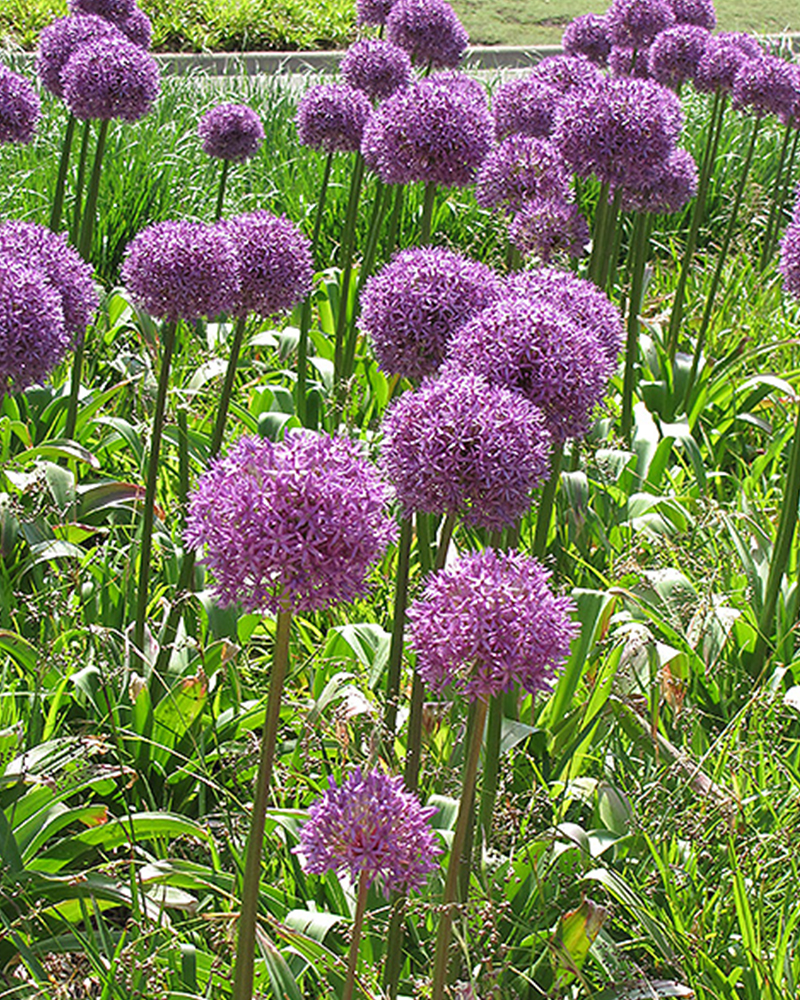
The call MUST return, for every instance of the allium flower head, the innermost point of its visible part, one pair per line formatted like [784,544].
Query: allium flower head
[549,226]
[377,67]
[748,44]
[113,10]
[20,108]
[59,40]
[290,526]
[626,61]
[414,305]
[635,23]
[110,78]
[789,265]
[587,35]
[32,335]
[275,266]
[370,824]
[519,169]
[433,131]
[231,132]
[669,190]
[429,30]
[182,270]
[621,131]
[61,266]
[675,54]
[525,106]
[566,73]
[699,12]
[488,621]
[765,86]
[459,446]
[372,11]
[587,306]
[540,352]
[719,65]
[137,28]
[332,116]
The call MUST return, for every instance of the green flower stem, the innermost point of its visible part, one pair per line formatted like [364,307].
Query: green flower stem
[398,628]
[440,964]
[723,254]
[223,177]
[706,169]
[781,551]
[608,241]
[57,208]
[491,767]
[227,386]
[395,218]
[346,260]
[393,965]
[766,248]
[246,936]
[598,231]
[145,548]
[183,457]
[465,865]
[85,249]
[355,937]
[427,213]
[642,229]
[785,192]
[80,181]
[546,501]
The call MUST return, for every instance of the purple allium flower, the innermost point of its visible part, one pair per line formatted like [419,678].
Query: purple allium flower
[32,335]
[539,351]
[748,44]
[137,28]
[113,10]
[377,67]
[182,270]
[231,132]
[547,226]
[669,190]
[675,54]
[429,31]
[524,106]
[766,86]
[566,73]
[622,131]
[488,621]
[635,23]
[414,305]
[110,78]
[625,61]
[460,446]
[290,526]
[61,266]
[20,108]
[587,35]
[586,305]
[521,168]
[332,116]
[789,265]
[699,12]
[718,66]
[370,825]
[275,266]
[430,132]
[372,11]
[59,40]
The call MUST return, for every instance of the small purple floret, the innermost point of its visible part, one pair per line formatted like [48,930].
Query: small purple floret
[290,526]
[525,106]
[332,116]
[59,40]
[20,108]
[377,67]
[429,31]
[370,825]
[489,621]
[635,23]
[587,35]
[519,169]
[231,132]
[549,226]
[110,78]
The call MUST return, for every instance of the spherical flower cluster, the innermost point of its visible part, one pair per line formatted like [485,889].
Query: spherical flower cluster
[429,31]
[488,621]
[275,265]
[587,35]
[377,67]
[370,825]
[536,350]
[669,189]
[548,226]
[372,11]
[460,446]
[433,131]
[113,10]
[61,266]
[744,42]
[231,132]
[587,306]
[20,108]
[521,168]
[622,131]
[110,78]
[332,116]
[566,73]
[525,106]
[675,54]
[719,65]
[137,28]
[32,335]
[699,12]
[626,61]
[635,23]
[789,265]
[60,39]
[290,526]
[182,270]
[766,86]
[411,309]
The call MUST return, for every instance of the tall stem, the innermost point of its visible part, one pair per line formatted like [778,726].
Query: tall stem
[77,206]
[546,501]
[227,386]
[608,241]
[398,628]
[346,260]
[598,231]
[784,194]
[395,218]
[491,770]
[355,938]
[427,213]
[150,489]
[394,946]
[223,177]
[449,896]
[642,229]
[766,248]
[246,937]
[57,208]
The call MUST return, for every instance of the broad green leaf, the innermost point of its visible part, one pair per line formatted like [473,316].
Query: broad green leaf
[19,649]
[574,935]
